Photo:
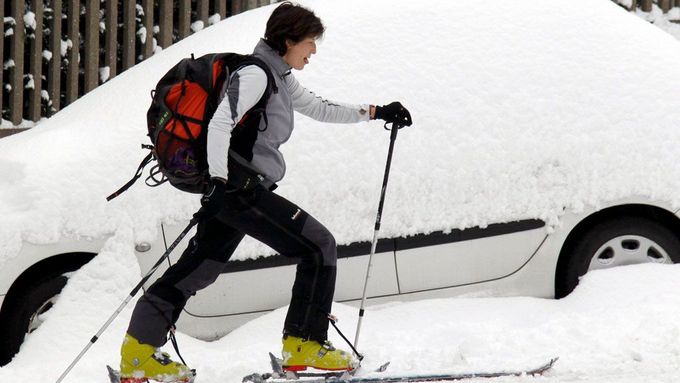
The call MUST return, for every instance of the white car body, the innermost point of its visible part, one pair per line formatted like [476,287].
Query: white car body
[520,263]
[484,262]
[32,254]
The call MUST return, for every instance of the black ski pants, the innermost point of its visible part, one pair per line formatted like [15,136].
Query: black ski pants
[269,218]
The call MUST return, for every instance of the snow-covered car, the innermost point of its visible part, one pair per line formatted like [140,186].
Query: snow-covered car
[544,145]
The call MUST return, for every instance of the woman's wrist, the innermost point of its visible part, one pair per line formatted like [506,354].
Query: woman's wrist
[371,111]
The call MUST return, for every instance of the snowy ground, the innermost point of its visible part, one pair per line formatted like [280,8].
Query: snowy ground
[618,326]
[509,91]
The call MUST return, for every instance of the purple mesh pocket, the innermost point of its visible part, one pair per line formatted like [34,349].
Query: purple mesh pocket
[183,161]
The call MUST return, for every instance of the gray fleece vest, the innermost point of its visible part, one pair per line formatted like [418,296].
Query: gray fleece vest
[265,156]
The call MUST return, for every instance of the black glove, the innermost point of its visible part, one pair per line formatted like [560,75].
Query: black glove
[393,113]
[212,200]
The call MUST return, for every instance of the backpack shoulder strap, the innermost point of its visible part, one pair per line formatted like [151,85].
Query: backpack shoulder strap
[261,105]
[271,82]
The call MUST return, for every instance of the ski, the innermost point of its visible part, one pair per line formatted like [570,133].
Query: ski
[334,378]
[114,377]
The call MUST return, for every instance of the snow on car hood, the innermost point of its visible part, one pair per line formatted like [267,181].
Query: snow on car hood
[520,109]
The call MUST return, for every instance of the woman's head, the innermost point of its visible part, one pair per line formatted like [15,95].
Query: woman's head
[292,31]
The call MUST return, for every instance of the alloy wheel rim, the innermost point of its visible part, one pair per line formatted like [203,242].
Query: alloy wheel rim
[36,319]
[628,250]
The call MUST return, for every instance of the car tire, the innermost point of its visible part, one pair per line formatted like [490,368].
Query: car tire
[23,317]
[616,242]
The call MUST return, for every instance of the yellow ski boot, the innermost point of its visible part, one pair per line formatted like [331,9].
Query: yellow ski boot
[141,362]
[298,354]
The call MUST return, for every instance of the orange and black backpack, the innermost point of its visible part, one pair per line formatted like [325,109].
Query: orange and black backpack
[184,101]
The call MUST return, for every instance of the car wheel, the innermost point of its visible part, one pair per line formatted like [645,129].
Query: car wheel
[617,242]
[26,314]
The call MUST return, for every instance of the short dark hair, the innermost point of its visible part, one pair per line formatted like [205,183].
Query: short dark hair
[291,22]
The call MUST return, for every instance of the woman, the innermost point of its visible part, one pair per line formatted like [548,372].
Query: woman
[232,208]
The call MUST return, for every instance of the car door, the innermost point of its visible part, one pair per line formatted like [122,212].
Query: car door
[463,257]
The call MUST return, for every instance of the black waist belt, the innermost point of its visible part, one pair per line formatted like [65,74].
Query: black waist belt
[243,177]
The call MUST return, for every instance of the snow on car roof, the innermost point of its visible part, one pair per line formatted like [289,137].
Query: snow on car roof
[520,109]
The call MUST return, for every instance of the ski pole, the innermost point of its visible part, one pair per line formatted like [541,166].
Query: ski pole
[393,137]
[134,291]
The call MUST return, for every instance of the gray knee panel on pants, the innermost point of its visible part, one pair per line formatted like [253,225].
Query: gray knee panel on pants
[203,276]
[317,233]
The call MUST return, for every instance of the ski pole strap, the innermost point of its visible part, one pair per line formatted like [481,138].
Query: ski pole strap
[333,319]
[171,328]
[395,125]
[145,161]
[173,340]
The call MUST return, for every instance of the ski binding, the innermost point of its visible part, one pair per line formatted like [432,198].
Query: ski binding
[278,374]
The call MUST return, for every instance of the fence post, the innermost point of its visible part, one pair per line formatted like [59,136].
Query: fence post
[236,7]
[54,67]
[111,47]
[91,45]
[165,23]
[129,33]
[36,48]
[221,8]
[665,5]
[646,5]
[202,11]
[184,18]
[148,25]
[74,52]
[17,71]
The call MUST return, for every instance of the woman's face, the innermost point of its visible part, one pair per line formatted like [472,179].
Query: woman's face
[298,55]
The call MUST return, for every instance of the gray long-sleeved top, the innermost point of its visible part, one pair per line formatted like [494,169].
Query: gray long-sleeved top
[246,87]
